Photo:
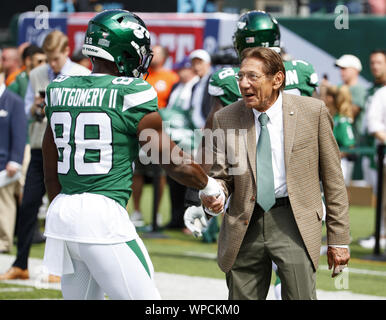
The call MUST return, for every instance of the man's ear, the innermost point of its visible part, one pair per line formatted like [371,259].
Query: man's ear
[278,80]
[67,51]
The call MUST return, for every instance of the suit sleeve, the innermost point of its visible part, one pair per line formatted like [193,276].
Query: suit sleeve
[220,168]
[18,130]
[337,218]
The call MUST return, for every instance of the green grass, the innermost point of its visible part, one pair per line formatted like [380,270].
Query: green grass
[179,253]
[19,292]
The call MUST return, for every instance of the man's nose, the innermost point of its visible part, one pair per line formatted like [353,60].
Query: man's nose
[244,83]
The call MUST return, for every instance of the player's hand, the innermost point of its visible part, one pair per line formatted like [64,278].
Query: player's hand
[212,197]
[337,258]
[195,220]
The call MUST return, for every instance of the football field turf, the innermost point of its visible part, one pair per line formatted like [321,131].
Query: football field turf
[177,253]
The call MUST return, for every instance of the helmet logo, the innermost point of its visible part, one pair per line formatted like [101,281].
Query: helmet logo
[104,42]
[249,40]
[241,24]
[88,40]
[139,32]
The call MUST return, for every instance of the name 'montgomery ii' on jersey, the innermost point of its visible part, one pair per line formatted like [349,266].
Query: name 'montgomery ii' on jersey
[301,79]
[94,122]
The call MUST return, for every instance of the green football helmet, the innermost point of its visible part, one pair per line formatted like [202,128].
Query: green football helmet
[121,37]
[256,29]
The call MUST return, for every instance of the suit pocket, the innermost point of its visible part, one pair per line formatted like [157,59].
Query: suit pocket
[301,146]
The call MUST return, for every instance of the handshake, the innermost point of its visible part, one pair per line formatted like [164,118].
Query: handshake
[213,202]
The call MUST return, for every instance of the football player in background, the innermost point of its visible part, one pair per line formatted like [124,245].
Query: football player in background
[94,126]
[259,29]
[254,29]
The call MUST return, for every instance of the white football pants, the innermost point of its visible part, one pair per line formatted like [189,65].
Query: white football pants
[121,271]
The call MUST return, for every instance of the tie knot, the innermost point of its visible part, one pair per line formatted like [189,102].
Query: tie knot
[263,119]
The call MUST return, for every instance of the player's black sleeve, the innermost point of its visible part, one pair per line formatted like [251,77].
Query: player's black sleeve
[191,198]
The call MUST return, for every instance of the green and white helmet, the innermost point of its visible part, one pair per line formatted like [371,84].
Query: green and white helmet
[256,29]
[121,37]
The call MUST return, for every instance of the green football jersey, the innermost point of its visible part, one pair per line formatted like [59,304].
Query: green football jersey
[301,79]
[343,131]
[94,122]
[223,84]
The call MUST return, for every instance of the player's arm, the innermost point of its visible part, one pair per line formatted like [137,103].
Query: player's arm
[181,166]
[216,105]
[50,164]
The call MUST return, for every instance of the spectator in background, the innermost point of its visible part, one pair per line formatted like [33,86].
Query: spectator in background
[181,92]
[338,101]
[56,48]
[10,61]
[376,122]
[178,115]
[32,56]
[14,74]
[201,63]
[378,70]
[161,78]
[81,59]
[163,81]
[350,67]
[201,104]
[378,7]
[13,133]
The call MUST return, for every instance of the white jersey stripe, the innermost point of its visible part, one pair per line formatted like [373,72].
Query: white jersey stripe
[135,99]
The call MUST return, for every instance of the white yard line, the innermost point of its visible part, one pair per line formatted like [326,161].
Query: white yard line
[177,286]
[207,255]
[12,289]
[359,271]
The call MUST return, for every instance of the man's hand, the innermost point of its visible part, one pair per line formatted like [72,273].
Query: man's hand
[337,258]
[38,101]
[195,220]
[214,205]
[212,197]
[11,170]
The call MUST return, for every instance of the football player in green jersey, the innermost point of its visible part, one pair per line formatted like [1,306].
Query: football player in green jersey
[260,29]
[254,29]
[94,126]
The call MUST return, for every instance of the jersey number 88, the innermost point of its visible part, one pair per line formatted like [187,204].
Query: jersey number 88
[103,144]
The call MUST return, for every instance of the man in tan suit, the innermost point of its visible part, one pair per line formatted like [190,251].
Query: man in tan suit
[275,209]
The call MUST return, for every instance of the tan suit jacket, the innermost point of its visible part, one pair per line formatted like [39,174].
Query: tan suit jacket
[311,154]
